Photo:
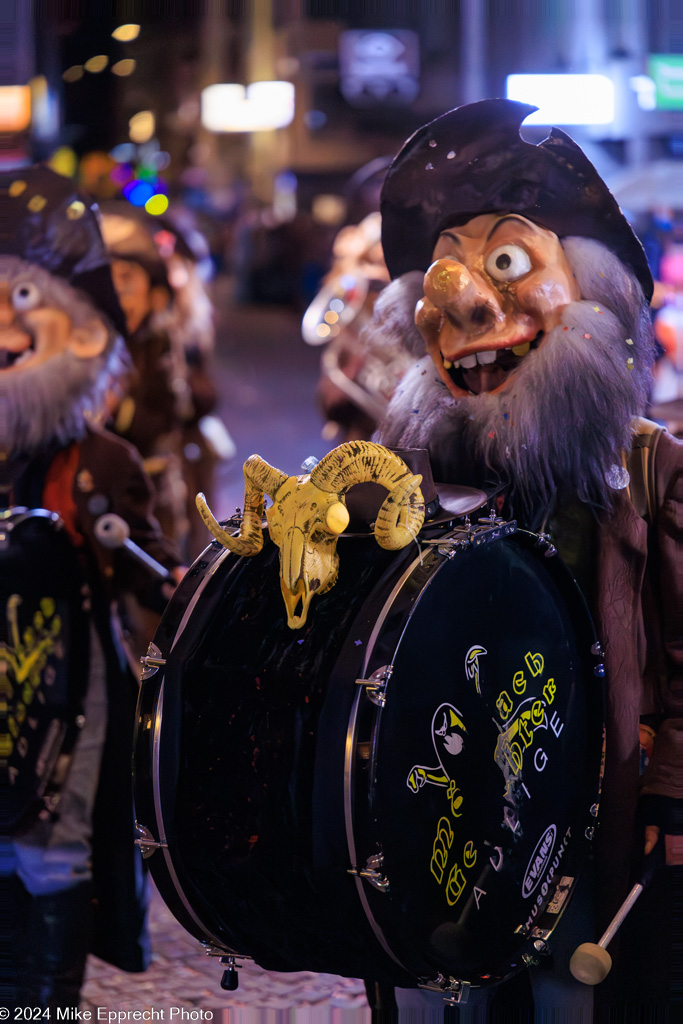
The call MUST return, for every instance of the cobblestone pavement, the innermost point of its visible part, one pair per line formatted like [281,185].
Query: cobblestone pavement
[184,983]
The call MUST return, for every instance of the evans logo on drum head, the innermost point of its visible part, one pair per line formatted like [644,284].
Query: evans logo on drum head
[539,861]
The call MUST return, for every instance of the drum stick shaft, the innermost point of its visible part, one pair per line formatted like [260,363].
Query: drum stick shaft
[156,568]
[620,915]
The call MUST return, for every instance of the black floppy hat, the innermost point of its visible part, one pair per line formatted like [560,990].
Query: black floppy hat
[472,160]
[48,221]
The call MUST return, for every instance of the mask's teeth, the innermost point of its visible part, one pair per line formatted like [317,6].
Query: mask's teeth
[486,357]
[447,364]
[468,362]
[521,350]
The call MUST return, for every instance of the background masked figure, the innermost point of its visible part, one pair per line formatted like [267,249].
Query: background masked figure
[157,400]
[534,320]
[74,875]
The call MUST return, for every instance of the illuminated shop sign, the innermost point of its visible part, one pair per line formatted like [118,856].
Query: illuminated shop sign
[666,71]
[379,67]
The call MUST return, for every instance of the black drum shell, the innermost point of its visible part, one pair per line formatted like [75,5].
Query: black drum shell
[243,771]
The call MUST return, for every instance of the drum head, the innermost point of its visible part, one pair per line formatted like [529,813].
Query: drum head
[44,644]
[485,763]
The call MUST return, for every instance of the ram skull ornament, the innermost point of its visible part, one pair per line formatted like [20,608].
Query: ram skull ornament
[309,512]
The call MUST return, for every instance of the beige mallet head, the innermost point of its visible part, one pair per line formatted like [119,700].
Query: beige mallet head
[590,963]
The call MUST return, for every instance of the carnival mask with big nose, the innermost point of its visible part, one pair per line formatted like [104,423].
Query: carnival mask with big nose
[497,286]
[34,328]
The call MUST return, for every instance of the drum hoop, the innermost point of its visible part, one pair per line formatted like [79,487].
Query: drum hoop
[156,768]
[192,603]
[351,735]
[170,867]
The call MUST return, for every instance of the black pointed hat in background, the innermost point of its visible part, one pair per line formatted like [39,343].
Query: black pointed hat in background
[45,219]
[472,160]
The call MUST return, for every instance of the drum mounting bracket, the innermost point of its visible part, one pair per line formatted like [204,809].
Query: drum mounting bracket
[485,531]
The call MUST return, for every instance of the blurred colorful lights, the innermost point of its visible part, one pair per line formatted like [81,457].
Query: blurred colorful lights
[138,193]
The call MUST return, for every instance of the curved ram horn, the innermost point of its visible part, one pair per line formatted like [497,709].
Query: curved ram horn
[401,516]
[259,478]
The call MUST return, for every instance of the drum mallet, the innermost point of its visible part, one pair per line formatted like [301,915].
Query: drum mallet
[113,532]
[590,962]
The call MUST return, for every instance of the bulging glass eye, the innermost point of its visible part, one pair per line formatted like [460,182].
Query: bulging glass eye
[25,296]
[507,263]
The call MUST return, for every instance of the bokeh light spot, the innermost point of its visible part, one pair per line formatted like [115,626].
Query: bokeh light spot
[96,64]
[141,126]
[322,330]
[75,210]
[16,188]
[157,205]
[37,203]
[122,68]
[138,192]
[74,73]
[331,317]
[126,33]
[64,161]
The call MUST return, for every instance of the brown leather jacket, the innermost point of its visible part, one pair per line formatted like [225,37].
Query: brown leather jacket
[638,611]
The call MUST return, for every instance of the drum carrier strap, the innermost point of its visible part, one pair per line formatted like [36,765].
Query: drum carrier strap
[640,462]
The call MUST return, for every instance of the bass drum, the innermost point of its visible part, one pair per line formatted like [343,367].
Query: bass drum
[403,789]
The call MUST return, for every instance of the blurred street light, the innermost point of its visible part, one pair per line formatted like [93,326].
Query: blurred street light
[141,126]
[564,99]
[15,108]
[262,106]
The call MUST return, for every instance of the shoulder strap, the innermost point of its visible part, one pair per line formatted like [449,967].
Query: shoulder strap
[640,464]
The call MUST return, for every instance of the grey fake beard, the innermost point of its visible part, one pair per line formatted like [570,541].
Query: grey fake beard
[564,422]
[54,400]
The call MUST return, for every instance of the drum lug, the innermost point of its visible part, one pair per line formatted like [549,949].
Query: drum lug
[455,992]
[458,995]
[147,842]
[542,948]
[544,541]
[152,661]
[372,873]
[375,686]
